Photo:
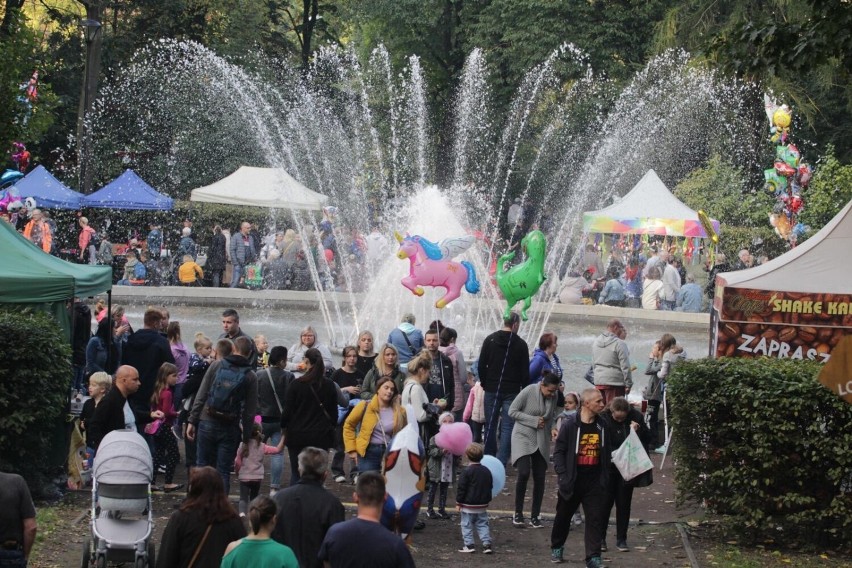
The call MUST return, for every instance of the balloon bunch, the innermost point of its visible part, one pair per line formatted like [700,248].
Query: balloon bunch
[20,156]
[788,177]
[10,201]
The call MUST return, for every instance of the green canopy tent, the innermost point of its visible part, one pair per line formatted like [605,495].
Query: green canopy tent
[29,277]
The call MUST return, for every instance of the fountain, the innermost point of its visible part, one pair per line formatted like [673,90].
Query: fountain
[361,135]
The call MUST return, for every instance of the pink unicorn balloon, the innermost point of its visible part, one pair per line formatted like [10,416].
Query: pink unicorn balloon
[431,265]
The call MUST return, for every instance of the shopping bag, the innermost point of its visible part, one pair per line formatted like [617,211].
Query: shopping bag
[631,459]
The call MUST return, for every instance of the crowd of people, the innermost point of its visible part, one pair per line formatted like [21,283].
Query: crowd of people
[236,405]
[242,256]
[652,279]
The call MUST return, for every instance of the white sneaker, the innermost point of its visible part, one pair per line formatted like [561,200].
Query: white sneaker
[340,479]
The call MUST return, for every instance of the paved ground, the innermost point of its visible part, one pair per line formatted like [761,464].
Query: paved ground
[653,535]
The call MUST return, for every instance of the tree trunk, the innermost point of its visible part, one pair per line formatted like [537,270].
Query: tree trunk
[10,16]
[87,96]
[309,20]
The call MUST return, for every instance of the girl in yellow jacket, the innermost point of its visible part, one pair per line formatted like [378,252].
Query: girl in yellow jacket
[379,419]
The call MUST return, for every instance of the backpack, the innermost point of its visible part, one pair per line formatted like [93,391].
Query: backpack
[140,272]
[227,392]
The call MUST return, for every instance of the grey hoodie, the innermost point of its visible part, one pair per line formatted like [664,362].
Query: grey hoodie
[611,361]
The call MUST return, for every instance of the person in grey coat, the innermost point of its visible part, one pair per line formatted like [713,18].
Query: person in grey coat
[611,359]
[243,252]
[533,410]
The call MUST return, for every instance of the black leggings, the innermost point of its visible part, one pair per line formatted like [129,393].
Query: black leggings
[249,489]
[442,499]
[538,465]
[620,494]
[166,452]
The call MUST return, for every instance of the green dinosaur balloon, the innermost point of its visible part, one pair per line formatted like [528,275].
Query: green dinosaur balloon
[521,282]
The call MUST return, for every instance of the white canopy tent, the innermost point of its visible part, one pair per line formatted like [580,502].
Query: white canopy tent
[815,266]
[648,208]
[260,187]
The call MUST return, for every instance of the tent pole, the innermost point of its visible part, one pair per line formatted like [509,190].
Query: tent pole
[111,332]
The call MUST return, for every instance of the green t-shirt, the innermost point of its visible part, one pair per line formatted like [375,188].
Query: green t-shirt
[260,554]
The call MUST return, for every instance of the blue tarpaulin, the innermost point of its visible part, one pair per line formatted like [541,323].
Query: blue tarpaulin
[49,192]
[128,191]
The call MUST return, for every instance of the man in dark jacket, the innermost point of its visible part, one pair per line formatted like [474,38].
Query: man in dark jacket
[218,436]
[243,252]
[231,330]
[581,458]
[310,509]
[442,382]
[504,369]
[109,415]
[146,350]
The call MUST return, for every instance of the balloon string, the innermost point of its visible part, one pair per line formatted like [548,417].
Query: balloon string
[497,394]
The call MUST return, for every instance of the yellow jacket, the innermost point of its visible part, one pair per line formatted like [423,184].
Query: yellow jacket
[187,272]
[366,414]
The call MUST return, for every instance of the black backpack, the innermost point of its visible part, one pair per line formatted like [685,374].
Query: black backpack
[227,393]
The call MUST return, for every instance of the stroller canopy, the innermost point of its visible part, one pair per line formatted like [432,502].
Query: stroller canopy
[123,458]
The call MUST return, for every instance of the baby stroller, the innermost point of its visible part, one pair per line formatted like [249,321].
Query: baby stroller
[122,519]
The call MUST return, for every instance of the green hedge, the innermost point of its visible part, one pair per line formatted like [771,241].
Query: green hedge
[35,373]
[761,443]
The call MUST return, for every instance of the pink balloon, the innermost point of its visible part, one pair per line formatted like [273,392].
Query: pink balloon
[455,437]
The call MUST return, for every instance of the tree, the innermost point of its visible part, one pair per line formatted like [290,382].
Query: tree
[720,189]
[829,191]
[801,50]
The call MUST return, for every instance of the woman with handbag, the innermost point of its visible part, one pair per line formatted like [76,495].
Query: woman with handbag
[199,531]
[376,422]
[310,404]
[620,418]
[272,384]
[414,394]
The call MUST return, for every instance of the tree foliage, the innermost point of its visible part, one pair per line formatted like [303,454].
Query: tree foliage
[765,446]
[34,371]
[829,191]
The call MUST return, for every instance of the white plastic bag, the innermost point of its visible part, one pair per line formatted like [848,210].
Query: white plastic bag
[631,459]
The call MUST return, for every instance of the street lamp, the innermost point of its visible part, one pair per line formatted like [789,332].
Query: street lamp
[91,31]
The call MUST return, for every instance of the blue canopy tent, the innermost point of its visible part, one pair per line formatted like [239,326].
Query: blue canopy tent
[128,191]
[49,192]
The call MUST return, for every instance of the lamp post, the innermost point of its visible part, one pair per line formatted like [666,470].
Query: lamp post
[92,34]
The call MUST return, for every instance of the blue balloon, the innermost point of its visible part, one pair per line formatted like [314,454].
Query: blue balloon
[498,474]
[10,176]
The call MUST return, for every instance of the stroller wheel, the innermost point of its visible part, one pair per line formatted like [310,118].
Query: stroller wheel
[87,554]
[101,561]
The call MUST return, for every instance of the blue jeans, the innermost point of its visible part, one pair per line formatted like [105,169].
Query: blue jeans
[12,558]
[272,433]
[493,402]
[480,520]
[217,447]
[373,458]
[235,275]
[78,372]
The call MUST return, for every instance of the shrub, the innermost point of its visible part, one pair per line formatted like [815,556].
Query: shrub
[763,444]
[35,371]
